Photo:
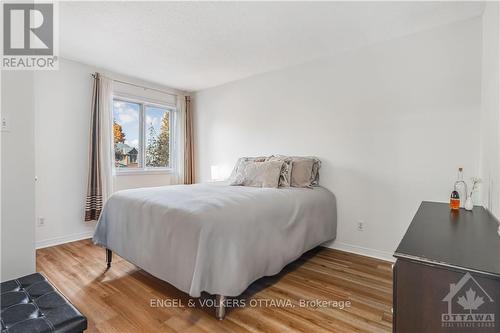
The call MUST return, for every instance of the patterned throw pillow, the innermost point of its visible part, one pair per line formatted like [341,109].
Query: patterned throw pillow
[239,163]
[315,171]
[258,174]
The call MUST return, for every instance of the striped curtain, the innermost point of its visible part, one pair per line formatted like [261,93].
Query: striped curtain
[100,173]
[188,145]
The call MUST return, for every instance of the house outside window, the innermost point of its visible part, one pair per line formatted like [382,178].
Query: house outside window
[142,136]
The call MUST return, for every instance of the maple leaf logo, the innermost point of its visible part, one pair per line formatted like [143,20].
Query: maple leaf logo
[470,301]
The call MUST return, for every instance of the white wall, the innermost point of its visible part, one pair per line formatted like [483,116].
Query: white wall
[490,126]
[17,176]
[62,118]
[391,123]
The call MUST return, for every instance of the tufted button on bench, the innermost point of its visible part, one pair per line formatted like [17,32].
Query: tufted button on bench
[32,304]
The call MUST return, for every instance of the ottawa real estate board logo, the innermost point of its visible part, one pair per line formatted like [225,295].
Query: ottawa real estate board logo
[469,305]
[29,36]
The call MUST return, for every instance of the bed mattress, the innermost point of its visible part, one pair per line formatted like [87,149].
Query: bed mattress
[214,237]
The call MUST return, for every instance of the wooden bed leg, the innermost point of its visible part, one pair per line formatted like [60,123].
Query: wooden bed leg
[109,257]
[220,306]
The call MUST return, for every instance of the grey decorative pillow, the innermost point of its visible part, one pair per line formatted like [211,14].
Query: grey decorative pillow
[305,171]
[286,169]
[258,174]
[240,161]
[302,172]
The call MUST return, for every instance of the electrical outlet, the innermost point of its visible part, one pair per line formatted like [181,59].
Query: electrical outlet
[361,225]
[41,221]
[5,124]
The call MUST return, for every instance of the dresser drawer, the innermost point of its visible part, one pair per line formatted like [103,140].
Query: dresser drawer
[433,298]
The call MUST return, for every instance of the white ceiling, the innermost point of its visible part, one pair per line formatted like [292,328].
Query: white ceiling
[196,45]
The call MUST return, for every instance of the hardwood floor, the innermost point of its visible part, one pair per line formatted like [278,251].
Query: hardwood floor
[127,299]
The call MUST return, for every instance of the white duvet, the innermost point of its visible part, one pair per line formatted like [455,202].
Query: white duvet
[215,237]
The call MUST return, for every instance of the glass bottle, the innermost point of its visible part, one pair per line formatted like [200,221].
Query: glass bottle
[461,187]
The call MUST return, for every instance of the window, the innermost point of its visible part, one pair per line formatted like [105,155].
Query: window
[126,119]
[142,135]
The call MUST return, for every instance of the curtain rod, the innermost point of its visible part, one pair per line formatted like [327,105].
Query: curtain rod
[137,85]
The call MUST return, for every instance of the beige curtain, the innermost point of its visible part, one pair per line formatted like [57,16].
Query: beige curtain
[188,144]
[101,159]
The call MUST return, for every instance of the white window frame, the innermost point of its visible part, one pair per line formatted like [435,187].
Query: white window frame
[143,170]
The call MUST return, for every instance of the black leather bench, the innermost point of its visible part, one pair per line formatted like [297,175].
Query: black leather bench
[32,304]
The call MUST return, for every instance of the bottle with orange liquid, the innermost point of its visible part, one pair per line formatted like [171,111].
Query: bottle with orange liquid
[454,200]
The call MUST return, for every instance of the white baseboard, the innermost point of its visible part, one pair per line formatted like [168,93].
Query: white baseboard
[364,251]
[64,239]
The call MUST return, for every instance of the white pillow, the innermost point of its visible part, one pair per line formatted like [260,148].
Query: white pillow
[258,174]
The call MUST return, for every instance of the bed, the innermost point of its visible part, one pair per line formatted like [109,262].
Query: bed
[213,237]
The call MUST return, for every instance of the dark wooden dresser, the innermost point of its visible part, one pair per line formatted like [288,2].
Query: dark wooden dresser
[447,272]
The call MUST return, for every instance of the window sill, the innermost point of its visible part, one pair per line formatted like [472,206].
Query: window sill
[138,172]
